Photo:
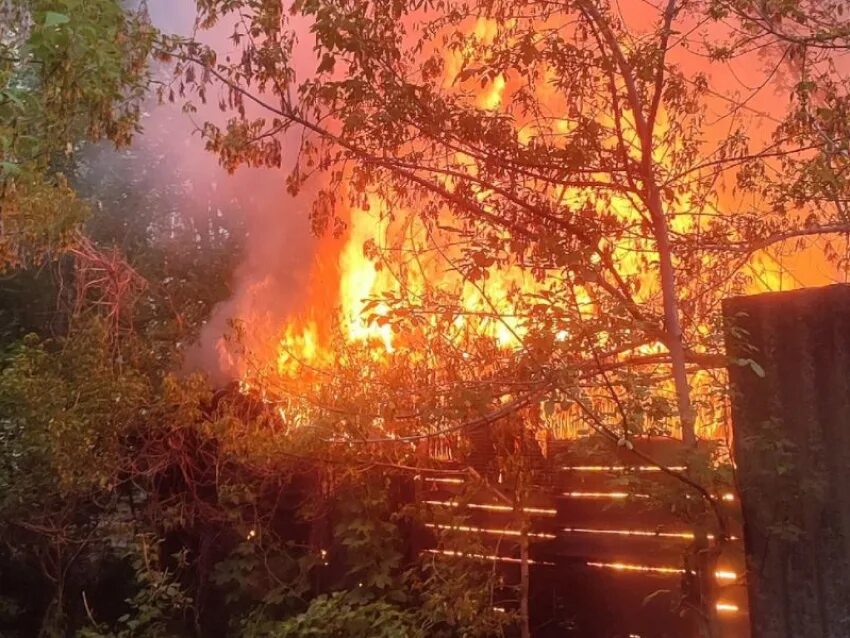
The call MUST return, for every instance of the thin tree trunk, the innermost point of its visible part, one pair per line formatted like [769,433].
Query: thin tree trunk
[645,118]
[525,624]
[706,562]
[672,323]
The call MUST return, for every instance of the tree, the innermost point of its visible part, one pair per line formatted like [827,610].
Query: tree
[141,502]
[564,142]
[550,176]
[70,71]
[115,515]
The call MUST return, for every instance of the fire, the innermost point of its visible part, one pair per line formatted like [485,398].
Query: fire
[297,348]
[360,279]
[388,254]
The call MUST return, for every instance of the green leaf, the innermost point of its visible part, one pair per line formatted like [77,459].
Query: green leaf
[12,96]
[53,19]
[10,168]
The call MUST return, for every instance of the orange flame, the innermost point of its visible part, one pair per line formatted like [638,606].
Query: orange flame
[383,256]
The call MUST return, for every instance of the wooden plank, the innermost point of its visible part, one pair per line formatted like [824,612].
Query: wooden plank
[583,496]
[614,513]
[613,477]
[597,450]
[591,602]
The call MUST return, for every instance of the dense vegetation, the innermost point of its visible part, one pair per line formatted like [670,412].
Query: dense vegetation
[130,502]
[137,499]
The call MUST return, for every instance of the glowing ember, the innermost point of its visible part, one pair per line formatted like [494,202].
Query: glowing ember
[443,479]
[631,532]
[626,567]
[689,536]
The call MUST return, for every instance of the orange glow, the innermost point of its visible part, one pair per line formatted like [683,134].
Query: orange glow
[627,567]
[389,258]
[617,496]
[443,479]
[728,607]
[630,532]
[621,468]
[492,507]
[650,569]
[490,557]
[481,530]
[688,536]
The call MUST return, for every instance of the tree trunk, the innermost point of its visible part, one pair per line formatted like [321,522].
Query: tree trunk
[706,563]
[644,121]
[790,415]
[525,624]
[524,579]
[672,323]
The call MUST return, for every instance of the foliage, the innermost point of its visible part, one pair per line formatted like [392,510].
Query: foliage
[550,202]
[159,598]
[558,164]
[339,617]
[77,403]
[131,505]
[552,163]
[70,70]
[64,410]
[199,539]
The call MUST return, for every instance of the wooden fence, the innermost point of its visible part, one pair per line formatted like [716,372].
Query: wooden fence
[608,556]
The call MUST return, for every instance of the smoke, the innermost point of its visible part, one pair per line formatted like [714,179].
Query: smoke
[271,281]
